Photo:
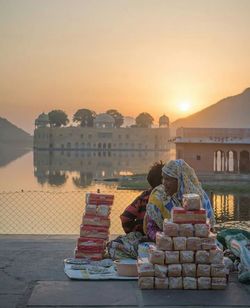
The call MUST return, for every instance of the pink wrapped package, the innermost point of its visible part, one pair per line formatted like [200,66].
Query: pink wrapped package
[208,243]
[94,256]
[186,230]
[96,198]
[145,268]
[174,270]
[216,256]
[175,282]
[93,220]
[163,241]
[146,282]
[189,270]
[193,243]
[201,230]
[219,283]
[204,283]
[189,283]
[182,216]
[179,243]
[90,244]
[203,270]
[191,202]
[172,257]
[156,256]
[186,256]
[202,256]
[161,283]
[170,228]
[219,270]
[161,270]
[94,232]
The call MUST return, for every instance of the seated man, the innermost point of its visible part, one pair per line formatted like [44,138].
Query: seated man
[126,246]
[133,215]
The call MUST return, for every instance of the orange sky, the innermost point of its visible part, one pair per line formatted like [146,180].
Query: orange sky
[131,55]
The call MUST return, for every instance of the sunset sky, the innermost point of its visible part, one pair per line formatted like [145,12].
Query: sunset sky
[157,56]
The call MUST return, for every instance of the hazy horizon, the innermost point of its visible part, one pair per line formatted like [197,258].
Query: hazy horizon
[162,56]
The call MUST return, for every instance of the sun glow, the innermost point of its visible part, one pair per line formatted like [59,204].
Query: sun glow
[184,106]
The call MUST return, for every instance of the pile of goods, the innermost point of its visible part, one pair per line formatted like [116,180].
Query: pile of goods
[94,230]
[185,255]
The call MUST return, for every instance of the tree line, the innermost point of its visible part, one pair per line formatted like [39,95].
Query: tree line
[85,118]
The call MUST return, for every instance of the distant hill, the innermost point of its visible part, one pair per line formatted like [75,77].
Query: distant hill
[12,135]
[231,112]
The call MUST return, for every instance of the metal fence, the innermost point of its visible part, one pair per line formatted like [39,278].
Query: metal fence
[50,212]
[60,212]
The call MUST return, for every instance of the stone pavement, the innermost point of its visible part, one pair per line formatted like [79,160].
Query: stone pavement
[31,275]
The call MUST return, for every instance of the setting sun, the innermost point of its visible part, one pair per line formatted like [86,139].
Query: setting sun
[184,106]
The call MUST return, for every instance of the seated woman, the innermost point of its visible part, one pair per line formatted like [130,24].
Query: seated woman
[178,178]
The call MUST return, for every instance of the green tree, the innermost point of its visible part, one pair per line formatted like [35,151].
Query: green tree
[85,117]
[119,119]
[144,119]
[58,118]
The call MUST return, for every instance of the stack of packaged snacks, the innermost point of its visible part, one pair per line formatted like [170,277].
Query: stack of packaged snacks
[94,230]
[185,255]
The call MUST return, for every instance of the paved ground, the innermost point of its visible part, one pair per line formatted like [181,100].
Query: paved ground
[31,275]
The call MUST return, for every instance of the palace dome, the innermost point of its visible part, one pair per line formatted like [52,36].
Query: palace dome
[104,120]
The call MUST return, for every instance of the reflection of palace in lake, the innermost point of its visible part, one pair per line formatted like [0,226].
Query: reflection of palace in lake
[53,167]
[230,207]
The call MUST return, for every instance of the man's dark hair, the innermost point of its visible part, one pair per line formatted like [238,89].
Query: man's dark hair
[154,177]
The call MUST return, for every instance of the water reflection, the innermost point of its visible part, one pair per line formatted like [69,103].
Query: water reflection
[231,207]
[10,152]
[53,168]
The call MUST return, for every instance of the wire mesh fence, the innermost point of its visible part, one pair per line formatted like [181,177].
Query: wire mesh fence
[50,212]
[60,212]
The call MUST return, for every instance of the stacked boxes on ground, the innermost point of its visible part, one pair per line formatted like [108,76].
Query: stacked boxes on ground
[185,255]
[94,230]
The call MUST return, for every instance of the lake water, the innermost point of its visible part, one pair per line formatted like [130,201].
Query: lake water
[43,193]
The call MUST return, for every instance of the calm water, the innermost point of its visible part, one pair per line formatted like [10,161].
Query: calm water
[44,193]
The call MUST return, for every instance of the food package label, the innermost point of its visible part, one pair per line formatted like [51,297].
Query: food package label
[180,243]
[94,232]
[175,282]
[163,241]
[191,201]
[181,216]
[156,256]
[189,270]
[145,268]
[172,257]
[161,283]
[95,256]
[219,270]
[201,230]
[93,220]
[174,270]
[202,256]
[146,282]
[189,283]
[170,228]
[186,256]
[219,283]
[96,198]
[193,243]
[186,230]
[216,256]
[161,270]
[208,243]
[204,283]
[203,270]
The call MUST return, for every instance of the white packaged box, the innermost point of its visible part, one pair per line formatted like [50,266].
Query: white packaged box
[186,256]
[189,283]
[202,256]
[172,257]
[180,243]
[204,283]
[161,283]
[174,270]
[163,242]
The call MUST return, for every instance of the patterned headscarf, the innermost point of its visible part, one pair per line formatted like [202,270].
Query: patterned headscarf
[160,204]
